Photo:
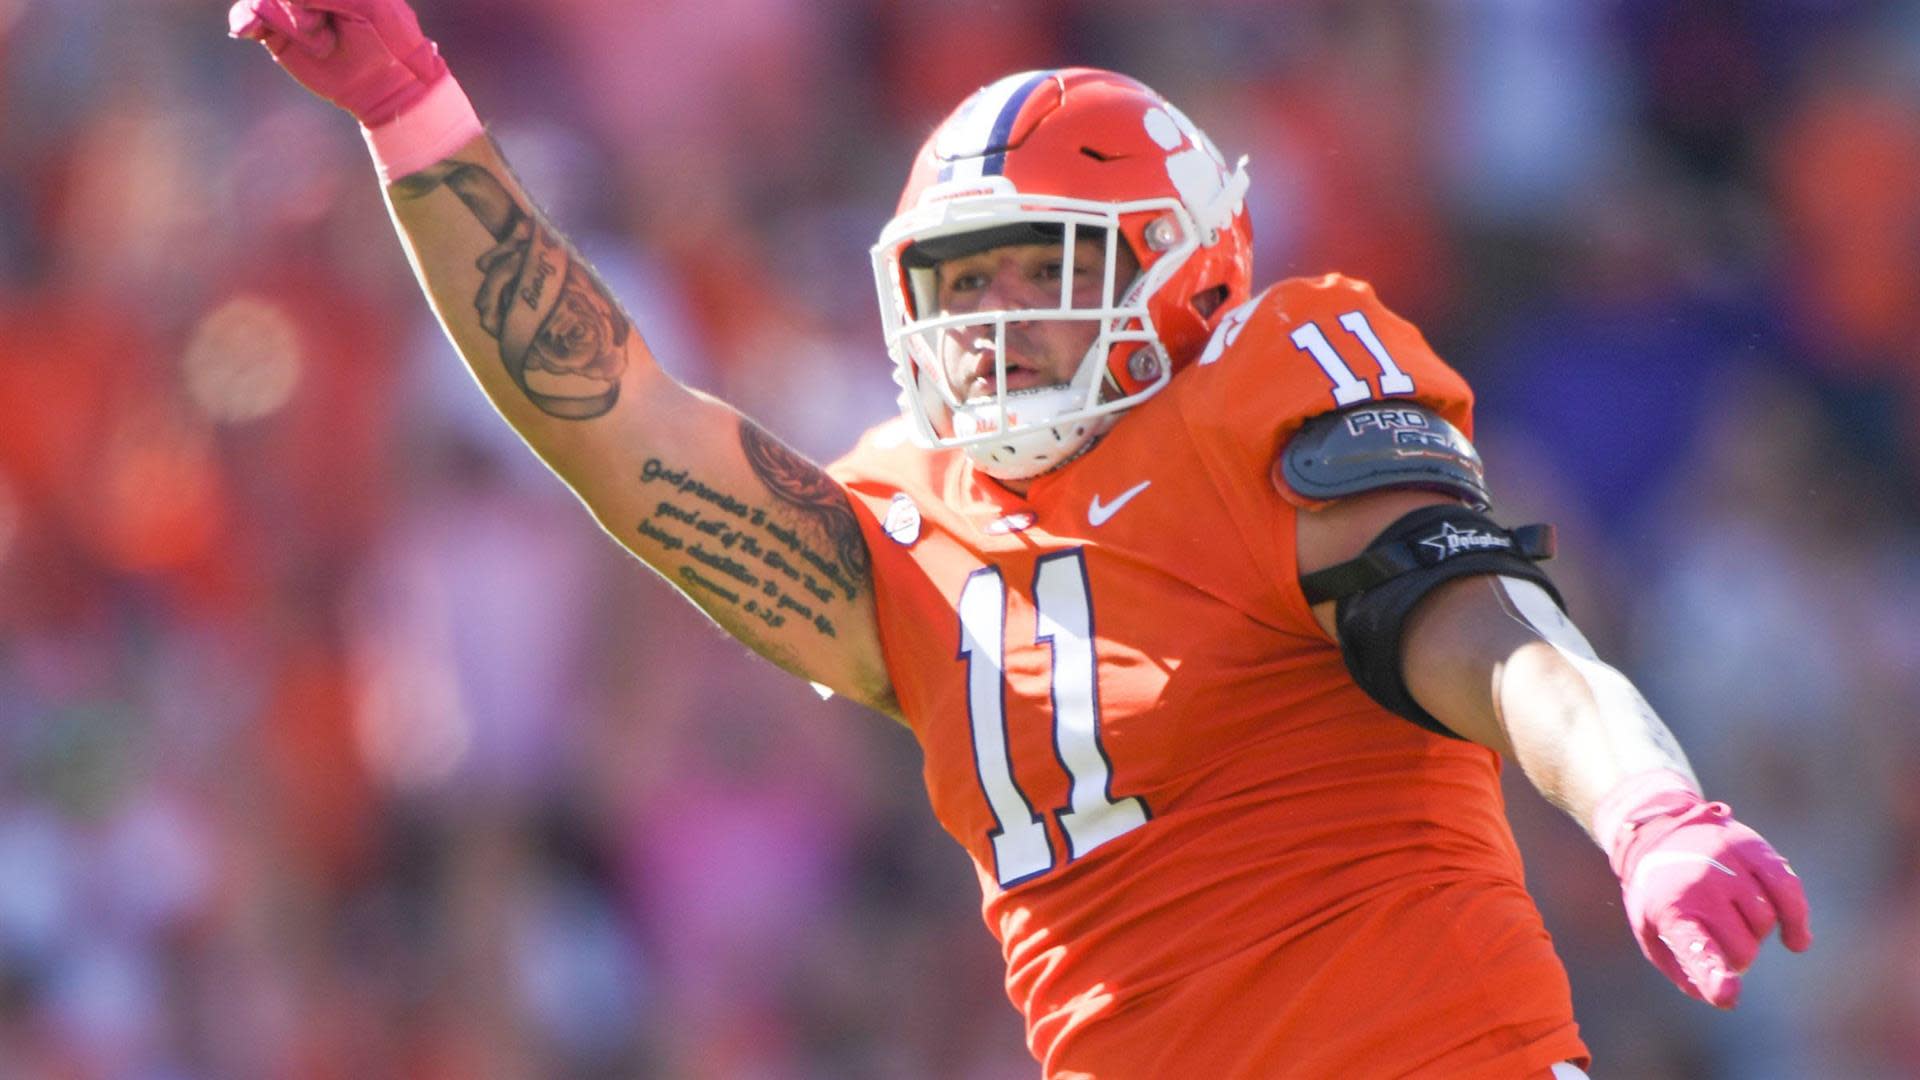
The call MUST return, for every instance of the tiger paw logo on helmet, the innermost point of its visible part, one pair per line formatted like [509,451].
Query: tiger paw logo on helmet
[1198,172]
[1059,157]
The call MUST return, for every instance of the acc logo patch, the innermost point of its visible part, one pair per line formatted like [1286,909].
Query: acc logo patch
[903,520]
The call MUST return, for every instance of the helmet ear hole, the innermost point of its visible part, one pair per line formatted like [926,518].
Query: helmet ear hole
[1207,302]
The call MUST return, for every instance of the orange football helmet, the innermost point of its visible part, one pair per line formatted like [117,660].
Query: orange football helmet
[1056,156]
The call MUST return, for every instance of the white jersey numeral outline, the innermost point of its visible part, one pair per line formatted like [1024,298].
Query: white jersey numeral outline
[1349,388]
[1063,616]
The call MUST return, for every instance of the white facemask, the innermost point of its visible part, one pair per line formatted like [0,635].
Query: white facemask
[1017,434]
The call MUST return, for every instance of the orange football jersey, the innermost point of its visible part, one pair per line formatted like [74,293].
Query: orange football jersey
[1203,849]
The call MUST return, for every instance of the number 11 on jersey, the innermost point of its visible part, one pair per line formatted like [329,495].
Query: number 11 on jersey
[1348,387]
[1063,615]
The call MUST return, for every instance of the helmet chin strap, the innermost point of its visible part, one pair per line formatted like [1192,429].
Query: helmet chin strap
[1021,455]
[1028,454]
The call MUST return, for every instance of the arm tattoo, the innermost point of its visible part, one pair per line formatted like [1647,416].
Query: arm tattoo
[805,485]
[562,336]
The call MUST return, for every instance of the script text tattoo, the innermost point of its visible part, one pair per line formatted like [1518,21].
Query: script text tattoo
[735,553]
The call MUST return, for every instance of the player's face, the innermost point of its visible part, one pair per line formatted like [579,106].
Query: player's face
[1040,352]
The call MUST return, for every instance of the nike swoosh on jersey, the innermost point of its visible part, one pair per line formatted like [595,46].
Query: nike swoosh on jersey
[1098,512]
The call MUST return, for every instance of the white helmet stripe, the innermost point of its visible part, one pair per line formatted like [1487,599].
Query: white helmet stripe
[973,145]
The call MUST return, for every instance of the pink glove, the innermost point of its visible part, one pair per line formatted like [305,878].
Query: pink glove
[1702,891]
[370,58]
[366,56]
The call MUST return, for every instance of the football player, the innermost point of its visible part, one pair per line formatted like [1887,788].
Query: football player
[1189,591]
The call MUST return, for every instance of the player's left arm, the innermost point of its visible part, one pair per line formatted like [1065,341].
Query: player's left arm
[1489,656]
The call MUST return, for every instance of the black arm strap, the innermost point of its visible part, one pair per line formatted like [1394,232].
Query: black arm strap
[1412,557]
[1390,558]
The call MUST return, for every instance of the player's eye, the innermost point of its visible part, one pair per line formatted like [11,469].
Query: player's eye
[961,286]
[1089,272]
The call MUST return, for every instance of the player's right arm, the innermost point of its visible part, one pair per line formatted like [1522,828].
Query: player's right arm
[752,532]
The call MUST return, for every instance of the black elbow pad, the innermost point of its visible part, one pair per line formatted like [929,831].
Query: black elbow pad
[1416,554]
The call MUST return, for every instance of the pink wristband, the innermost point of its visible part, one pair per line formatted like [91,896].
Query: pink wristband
[1637,799]
[438,124]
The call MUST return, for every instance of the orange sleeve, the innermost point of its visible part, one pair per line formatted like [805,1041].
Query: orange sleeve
[1309,346]
[1305,347]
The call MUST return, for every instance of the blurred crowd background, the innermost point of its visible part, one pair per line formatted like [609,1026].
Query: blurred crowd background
[335,741]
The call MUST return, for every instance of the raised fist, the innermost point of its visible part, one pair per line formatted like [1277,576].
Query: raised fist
[366,56]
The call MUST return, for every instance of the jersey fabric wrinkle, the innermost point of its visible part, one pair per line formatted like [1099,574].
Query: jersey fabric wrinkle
[1203,849]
